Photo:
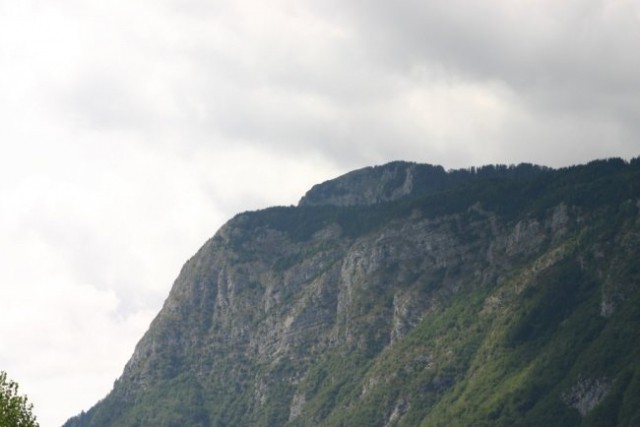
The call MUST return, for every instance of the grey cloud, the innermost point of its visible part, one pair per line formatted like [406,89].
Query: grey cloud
[568,65]
[569,59]
[330,77]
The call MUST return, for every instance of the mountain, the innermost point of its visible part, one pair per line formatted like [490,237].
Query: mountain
[405,295]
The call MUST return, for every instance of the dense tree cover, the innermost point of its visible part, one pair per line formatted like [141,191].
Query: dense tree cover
[15,410]
[508,191]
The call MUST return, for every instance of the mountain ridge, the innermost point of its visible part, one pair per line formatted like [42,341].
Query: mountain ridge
[508,297]
[395,180]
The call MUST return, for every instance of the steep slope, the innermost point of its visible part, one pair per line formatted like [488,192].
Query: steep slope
[497,296]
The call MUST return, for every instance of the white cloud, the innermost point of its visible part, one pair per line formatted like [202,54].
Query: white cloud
[67,340]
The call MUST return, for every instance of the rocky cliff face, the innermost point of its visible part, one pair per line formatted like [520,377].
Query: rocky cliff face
[371,185]
[375,302]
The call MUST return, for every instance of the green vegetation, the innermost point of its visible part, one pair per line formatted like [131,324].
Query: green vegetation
[508,191]
[15,409]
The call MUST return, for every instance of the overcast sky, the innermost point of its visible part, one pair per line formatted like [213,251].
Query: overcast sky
[132,129]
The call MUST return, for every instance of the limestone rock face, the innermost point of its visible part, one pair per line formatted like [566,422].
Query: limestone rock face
[586,394]
[369,186]
[387,298]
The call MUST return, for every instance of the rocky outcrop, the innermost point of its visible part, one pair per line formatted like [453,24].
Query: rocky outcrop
[586,394]
[368,186]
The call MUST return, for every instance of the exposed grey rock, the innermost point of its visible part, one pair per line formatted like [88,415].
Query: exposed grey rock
[366,186]
[586,394]
[250,309]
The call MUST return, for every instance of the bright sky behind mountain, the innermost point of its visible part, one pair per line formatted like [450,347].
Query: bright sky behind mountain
[131,130]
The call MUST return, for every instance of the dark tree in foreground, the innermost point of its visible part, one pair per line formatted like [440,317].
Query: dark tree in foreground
[15,410]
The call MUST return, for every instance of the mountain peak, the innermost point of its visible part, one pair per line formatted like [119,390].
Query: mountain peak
[368,186]
[392,181]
